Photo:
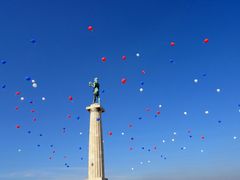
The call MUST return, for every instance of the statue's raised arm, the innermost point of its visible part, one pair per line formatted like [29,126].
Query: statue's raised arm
[96,87]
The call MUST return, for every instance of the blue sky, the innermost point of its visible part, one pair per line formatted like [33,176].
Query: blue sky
[66,56]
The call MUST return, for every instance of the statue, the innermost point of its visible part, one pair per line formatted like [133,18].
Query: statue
[96,86]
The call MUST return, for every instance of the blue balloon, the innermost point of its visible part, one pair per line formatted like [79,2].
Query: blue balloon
[33,41]
[3,61]
[3,86]
[28,78]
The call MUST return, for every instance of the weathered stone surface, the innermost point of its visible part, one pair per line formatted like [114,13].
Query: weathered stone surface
[96,153]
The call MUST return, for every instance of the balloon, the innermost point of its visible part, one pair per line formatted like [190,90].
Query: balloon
[143,72]
[196,80]
[104,59]
[18,126]
[22,98]
[90,28]
[27,78]
[34,85]
[110,133]
[3,86]
[202,137]
[172,43]
[124,58]
[17,108]
[18,93]
[43,98]
[218,90]
[158,112]
[3,62]
[137,54]
[141,89]
[124,81]
[206,40]
[33,41]
[70,98]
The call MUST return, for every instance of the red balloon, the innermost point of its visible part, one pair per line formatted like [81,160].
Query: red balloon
[123,81]
[110,133]
[70,98]
[158,112]
[90,28]
[202,137]
[206,40]
[18,93]
[143,72]
[124,58]
[172,43]
[18,126]
[104,59]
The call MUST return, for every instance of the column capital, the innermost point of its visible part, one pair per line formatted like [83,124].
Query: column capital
[95,107]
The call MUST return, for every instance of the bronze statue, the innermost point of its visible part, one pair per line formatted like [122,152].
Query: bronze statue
[96,89]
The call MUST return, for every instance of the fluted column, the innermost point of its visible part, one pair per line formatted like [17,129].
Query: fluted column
[96,153]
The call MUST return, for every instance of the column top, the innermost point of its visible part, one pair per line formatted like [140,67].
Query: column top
[94,107]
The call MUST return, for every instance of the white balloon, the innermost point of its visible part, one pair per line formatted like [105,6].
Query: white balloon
[34,85]
[196,80]
[137,54]
[33,81]
[43,98]
[141,89]
[22,98]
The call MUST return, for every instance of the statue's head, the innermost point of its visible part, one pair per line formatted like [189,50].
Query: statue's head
[95,79]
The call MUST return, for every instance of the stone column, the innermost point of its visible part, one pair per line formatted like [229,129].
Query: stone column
[95,154]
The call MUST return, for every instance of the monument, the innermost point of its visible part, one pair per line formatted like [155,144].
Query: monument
[95,152]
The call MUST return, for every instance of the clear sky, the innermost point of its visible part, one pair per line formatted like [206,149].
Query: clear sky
[194,85]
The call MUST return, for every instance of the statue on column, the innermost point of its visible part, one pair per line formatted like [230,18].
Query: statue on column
[96,88]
